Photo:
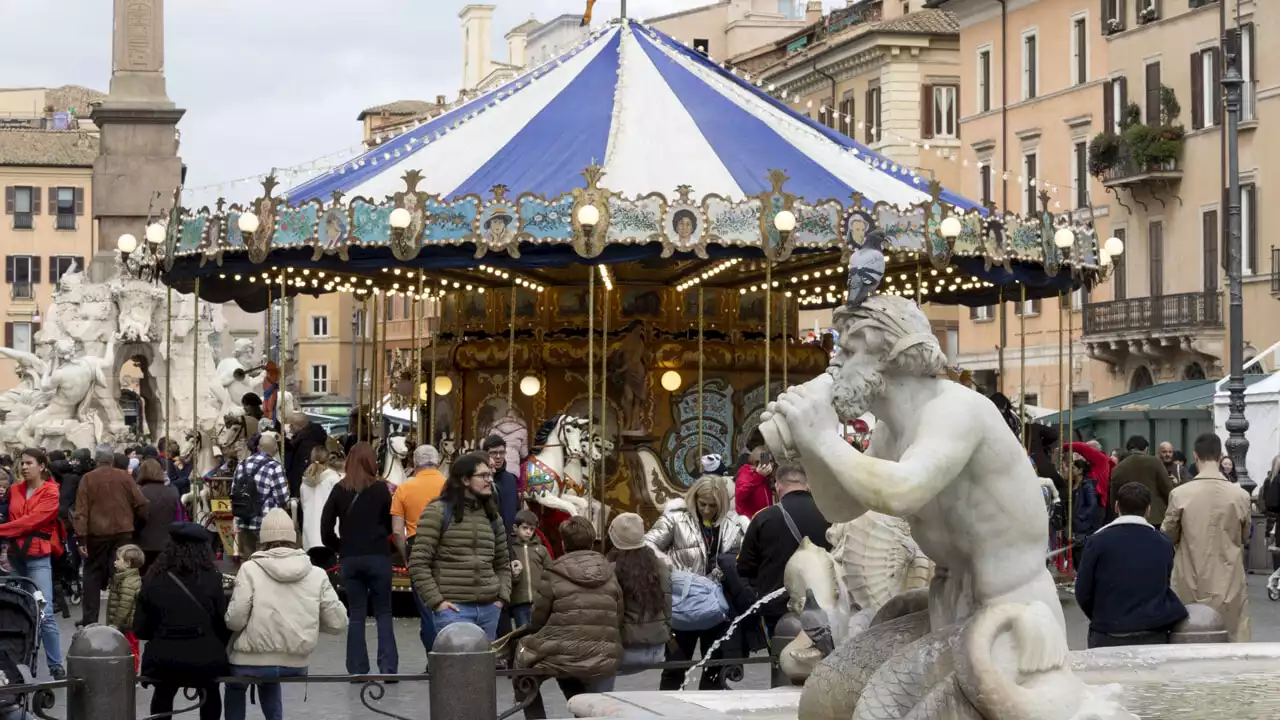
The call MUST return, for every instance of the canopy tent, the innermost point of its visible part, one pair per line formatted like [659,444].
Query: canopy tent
[1262,410]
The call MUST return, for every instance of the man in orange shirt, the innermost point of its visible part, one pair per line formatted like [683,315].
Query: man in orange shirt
[407,505]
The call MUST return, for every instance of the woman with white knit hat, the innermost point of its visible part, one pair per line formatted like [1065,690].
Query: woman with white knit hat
[280,606]
[646,592]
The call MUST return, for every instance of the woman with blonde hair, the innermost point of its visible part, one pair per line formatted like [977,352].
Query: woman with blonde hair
[317,482]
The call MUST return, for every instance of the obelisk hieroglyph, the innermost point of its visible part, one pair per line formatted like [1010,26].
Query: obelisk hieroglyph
[137,169]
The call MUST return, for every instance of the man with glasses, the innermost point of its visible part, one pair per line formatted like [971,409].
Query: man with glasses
[506,486]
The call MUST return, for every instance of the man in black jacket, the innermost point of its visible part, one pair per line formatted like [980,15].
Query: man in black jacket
[774,535]
[307,436]
[1123,581]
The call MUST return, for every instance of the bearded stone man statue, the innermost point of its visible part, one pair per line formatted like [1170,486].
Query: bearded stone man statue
[992,643]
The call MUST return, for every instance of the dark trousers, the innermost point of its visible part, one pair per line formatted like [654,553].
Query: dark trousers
[684,644]
[367,580]
[1102,640]
[163,694]
[568,686]
[97,572]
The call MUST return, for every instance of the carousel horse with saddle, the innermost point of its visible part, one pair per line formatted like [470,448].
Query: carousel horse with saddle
[554,479]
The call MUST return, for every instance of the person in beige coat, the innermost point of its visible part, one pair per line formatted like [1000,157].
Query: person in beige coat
[1208,522]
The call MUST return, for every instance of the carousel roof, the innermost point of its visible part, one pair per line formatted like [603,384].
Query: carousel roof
[653,113]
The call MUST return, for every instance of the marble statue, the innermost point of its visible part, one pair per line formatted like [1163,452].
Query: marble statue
[19,402]
[991,642]
[237,376]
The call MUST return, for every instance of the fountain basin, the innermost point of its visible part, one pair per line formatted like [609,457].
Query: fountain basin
[1161,682]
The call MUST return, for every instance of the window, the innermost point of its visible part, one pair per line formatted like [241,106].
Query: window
[1112,16]
[1030,202]
[1248,228]
[22,272]
[1148,11]
[1247,107]
[1080,173]
[22,203]
[320,326]
[1121,287]
[1206,91]
[1028,308]
[1079,51]
[1079,298]
[984,182]
[388,309]
[1155,251]
[872,109]
[19,336]
[1079,398]
[939,111]
[1209,241]
[69,202]
[702,45]
[1153,94]
[1031,399]
[405,309]
[1114,101]
[982,313]
[320,379]
[362,326]
[60,265]
[846,114]
[1030,66]
[984,80]
[362,378]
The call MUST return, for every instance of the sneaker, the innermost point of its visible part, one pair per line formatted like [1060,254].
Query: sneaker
[58,672]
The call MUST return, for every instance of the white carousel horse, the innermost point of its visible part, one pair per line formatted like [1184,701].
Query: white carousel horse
[559,441]
[199,451]
[594,447]
[393,465]
[451,450]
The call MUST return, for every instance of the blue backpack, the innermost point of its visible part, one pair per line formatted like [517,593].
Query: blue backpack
[697,602]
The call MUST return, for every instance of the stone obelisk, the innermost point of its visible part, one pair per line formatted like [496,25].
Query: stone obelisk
[138,156]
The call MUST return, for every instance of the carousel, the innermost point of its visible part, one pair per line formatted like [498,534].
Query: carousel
[605,260]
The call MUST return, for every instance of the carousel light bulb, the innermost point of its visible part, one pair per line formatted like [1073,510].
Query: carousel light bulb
[1064,238]
[155,233]
[444,282]
[468,286]
[951,227]
[248,222]
[127,243]
[1114,246]
[444,385]
[785,221]
[530,385]
[671,381]
[588,215]
[397,271]
[480,290]
[424,392]
[400,218]
[236,278]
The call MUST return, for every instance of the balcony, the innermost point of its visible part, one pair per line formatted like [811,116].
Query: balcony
[1154,315]
[1128,173]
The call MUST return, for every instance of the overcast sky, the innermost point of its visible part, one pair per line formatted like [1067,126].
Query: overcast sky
[273,82]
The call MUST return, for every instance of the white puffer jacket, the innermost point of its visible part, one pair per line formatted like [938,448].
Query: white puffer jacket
[280,606]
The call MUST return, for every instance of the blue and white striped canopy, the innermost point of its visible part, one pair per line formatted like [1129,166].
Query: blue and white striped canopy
[655,114]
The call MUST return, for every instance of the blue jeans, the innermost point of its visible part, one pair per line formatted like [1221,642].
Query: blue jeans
[268,693]
[521,614]
[40,571]
[486,616]
[426,622]
[367,580]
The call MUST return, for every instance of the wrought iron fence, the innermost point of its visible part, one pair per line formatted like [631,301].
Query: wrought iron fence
[37,698]
[1184,311]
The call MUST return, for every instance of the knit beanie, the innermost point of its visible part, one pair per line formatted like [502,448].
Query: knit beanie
[626,532]
[277,526]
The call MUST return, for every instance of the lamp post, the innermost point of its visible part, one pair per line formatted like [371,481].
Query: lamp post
[1237,424]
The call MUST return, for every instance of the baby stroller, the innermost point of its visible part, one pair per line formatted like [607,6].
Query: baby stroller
[20,608]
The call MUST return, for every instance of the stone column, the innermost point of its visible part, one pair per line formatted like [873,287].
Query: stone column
[138,168]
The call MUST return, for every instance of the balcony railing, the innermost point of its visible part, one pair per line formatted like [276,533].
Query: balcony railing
[1275,270]
[65,221]
[1129,172]
[1168,313]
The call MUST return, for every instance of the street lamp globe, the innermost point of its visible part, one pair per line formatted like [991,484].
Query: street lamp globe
[785,221]
[1064,238]
[127,243]
[1114,246]
[400,218]
[155,233]
[951,228]
[671,381]
[248,222]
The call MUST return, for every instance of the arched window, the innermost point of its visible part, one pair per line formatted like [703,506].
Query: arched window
[1141,379]
[1194,371]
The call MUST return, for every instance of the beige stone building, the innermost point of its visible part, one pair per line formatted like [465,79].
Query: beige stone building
[1075,71]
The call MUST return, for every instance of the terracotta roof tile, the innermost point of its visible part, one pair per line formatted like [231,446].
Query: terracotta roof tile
[399,107]
[73,96]
[928,22]
[47,148]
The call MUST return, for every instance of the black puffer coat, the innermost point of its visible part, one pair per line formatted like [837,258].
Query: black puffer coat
[186,642]
[577,619]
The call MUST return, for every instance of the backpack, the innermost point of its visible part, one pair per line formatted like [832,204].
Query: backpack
[1271,494]
[246,506]
[697,602]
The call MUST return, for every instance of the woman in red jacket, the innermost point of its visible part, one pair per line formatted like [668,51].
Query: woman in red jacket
[752,489]
[35,538]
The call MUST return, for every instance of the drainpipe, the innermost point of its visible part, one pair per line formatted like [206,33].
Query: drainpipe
[824,74]
[1004,172]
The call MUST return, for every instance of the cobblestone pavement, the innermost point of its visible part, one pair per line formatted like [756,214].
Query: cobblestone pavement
[342,701]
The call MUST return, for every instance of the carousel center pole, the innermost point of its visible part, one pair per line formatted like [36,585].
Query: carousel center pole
[1071,466]
[786,349]
[417,366]
[280,330]
[511,353]
[379,361]
[591,360]
[701,407]
[768,331]
[358,400]
[431,391]
[1022,364]
[604,389]
[168,369]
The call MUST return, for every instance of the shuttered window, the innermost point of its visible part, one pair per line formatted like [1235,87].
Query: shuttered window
[984,179]
[846,114]
[1153,94]
[1115,98]
[871,104]
[939,111]
[1155,251]
[60,265]
[1209,238]
[1080,173]
[1206,90]
[1030,66]
[984,80]
[1029,174]
[1079,51]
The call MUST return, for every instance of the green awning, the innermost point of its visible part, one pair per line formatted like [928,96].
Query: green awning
[1172,397]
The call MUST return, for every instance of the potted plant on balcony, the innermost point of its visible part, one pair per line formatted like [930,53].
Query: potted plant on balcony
[1148,13]
[1113,26]
[1156,147]
[1104,153]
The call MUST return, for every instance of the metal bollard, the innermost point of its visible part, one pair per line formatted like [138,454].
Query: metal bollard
[100,659]
[1203,625]
[787,630]
[464,680]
